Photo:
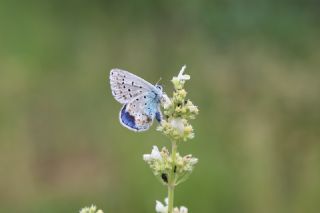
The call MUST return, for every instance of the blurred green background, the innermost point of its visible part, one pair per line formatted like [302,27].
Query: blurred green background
[254,69]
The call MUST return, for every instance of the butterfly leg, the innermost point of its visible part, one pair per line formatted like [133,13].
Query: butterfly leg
[159,116]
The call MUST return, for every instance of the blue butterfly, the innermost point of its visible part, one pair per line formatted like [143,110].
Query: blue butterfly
[141,100]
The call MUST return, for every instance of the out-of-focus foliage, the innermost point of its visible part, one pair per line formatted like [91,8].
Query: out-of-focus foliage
[255,76]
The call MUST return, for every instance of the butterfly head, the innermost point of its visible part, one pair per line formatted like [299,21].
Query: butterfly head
[159,87]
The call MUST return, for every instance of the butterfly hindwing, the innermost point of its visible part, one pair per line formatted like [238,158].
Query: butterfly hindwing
[139,114]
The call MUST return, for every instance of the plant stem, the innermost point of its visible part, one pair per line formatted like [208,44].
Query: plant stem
[172,179]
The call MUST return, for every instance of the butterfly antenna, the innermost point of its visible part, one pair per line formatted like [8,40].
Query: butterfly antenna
[158,81]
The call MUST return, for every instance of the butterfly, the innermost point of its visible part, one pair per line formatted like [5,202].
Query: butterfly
[141,100]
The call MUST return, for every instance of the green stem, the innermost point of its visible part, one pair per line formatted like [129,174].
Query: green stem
[172,183]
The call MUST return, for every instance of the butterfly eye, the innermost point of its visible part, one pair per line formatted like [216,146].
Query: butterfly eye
[159,87]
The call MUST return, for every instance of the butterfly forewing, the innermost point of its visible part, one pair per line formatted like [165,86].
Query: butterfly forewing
[126,86]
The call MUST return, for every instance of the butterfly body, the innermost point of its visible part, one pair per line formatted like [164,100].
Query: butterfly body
[140,98]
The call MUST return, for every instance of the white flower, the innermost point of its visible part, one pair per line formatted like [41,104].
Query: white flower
[193,161]
[181,76]
[193,108]
[166,102]
[147,157]
[166,200]
[183,209]
[160,208]
[178,124]
[91,209]
[155,155]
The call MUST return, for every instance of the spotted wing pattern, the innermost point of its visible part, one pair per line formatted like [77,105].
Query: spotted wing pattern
[126,86]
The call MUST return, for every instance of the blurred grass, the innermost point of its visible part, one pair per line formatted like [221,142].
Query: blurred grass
[255,76]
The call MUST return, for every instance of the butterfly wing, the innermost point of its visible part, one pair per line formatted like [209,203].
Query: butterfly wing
[138,115]
[126,86]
